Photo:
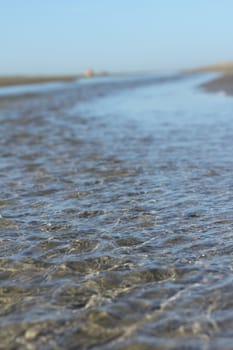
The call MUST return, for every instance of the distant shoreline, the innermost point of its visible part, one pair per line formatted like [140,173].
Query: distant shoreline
[27,80]
[222,83]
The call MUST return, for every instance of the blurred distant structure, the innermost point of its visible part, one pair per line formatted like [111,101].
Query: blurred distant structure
[89,73]
[104,73]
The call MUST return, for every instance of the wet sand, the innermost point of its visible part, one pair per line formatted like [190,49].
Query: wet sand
[23,80]
[223,83]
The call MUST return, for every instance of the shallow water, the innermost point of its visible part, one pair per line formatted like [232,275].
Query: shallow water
[116,217]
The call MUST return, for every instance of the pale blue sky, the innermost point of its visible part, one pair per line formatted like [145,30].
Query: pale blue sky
[67,36]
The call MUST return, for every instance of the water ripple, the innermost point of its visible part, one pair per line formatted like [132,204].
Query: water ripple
[116,218]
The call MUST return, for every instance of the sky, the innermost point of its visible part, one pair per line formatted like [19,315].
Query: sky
[68,36]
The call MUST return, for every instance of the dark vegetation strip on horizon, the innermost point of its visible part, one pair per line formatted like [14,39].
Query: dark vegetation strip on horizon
[21,80]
